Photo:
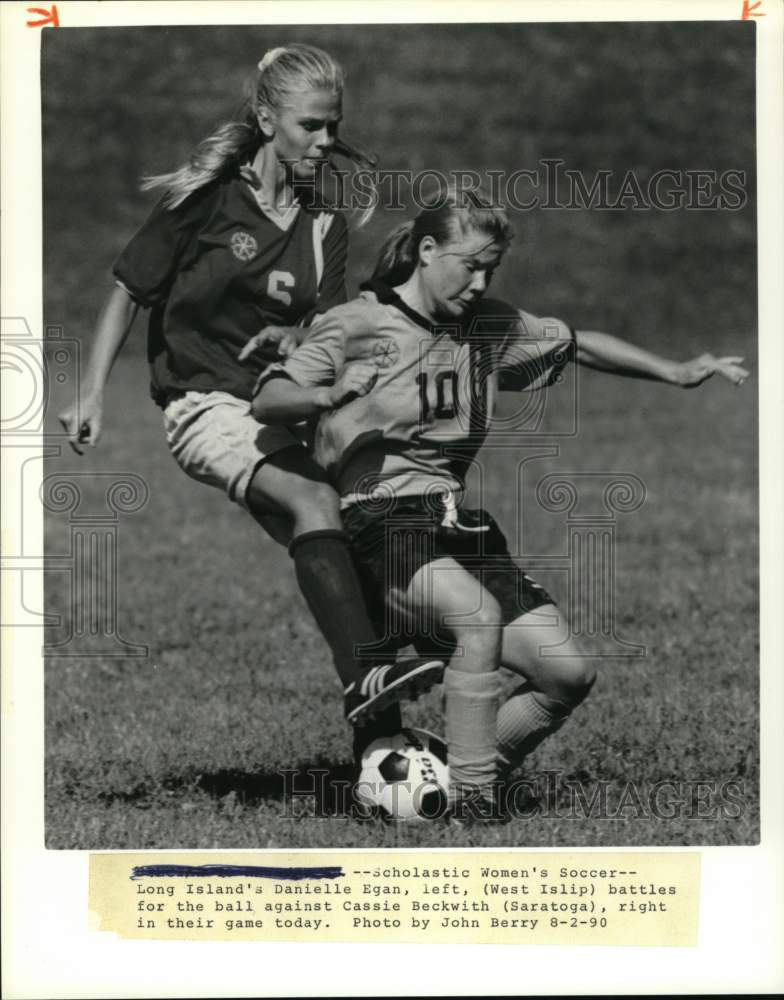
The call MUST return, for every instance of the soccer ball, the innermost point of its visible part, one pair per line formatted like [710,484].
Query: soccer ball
[405,776]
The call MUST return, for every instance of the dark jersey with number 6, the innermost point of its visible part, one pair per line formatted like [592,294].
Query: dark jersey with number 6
[216,270]
[429,411]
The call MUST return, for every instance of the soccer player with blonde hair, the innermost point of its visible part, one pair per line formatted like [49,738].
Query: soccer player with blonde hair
[243,240]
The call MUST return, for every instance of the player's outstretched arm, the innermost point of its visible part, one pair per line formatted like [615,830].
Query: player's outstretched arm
[82,420]
[612,354]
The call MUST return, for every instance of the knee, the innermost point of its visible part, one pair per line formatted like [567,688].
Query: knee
[480,635]
[572,682]
[315,504]
[487,617]
[315,498]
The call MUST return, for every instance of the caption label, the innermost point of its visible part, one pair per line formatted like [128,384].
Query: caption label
[531,898]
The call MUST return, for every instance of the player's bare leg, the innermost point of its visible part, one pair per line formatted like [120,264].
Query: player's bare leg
[456,604]
[556,683]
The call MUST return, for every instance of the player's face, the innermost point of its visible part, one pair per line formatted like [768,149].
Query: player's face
[456,274]
[305,131]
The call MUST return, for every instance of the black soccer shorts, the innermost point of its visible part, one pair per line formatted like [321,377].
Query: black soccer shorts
[390,546]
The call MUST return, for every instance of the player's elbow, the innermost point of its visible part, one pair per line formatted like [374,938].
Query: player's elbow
[262,405]
[270,398]
[262,410]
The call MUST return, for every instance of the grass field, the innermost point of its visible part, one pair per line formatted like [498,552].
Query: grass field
[185,748]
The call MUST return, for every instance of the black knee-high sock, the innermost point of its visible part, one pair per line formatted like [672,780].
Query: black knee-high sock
[330,585]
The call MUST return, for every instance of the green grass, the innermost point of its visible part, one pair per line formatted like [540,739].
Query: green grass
[184,748]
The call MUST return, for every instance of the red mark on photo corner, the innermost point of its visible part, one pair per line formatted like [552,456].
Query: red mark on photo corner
[749,9]
[47,17]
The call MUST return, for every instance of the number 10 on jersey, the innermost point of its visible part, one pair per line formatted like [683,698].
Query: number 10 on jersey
[446,396]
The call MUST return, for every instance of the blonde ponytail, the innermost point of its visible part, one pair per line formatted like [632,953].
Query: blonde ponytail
[229,144]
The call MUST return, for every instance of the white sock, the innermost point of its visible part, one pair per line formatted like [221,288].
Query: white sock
[471,713]
[524,720]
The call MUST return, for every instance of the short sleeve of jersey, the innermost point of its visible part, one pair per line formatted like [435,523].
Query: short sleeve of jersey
[149,263]
[533,352]
[316,361]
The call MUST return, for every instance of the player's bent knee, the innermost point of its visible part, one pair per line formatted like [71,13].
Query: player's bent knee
[487,616]
[480,636]
[310,502]
[573,683]
[315,498]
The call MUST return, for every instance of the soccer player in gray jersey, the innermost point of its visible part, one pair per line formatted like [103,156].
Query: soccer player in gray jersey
[404,379]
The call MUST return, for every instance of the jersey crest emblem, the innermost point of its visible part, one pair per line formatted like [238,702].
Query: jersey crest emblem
[386,353]
[243,246]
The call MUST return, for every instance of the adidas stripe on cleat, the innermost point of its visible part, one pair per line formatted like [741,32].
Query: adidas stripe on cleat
[404,680]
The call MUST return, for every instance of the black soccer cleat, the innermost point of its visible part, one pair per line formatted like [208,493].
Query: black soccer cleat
[471,808]
[383,686]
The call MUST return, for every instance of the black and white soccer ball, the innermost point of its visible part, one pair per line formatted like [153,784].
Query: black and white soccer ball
[405,776]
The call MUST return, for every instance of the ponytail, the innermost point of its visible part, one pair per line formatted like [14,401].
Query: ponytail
[397,257]
[368,161]
[229,144]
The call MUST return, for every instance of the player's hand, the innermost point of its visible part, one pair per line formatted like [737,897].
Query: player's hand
[274,341]
[356,379]
[690,374]
[82,422]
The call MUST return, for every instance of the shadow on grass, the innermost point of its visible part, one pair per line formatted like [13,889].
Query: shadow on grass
[324,786]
